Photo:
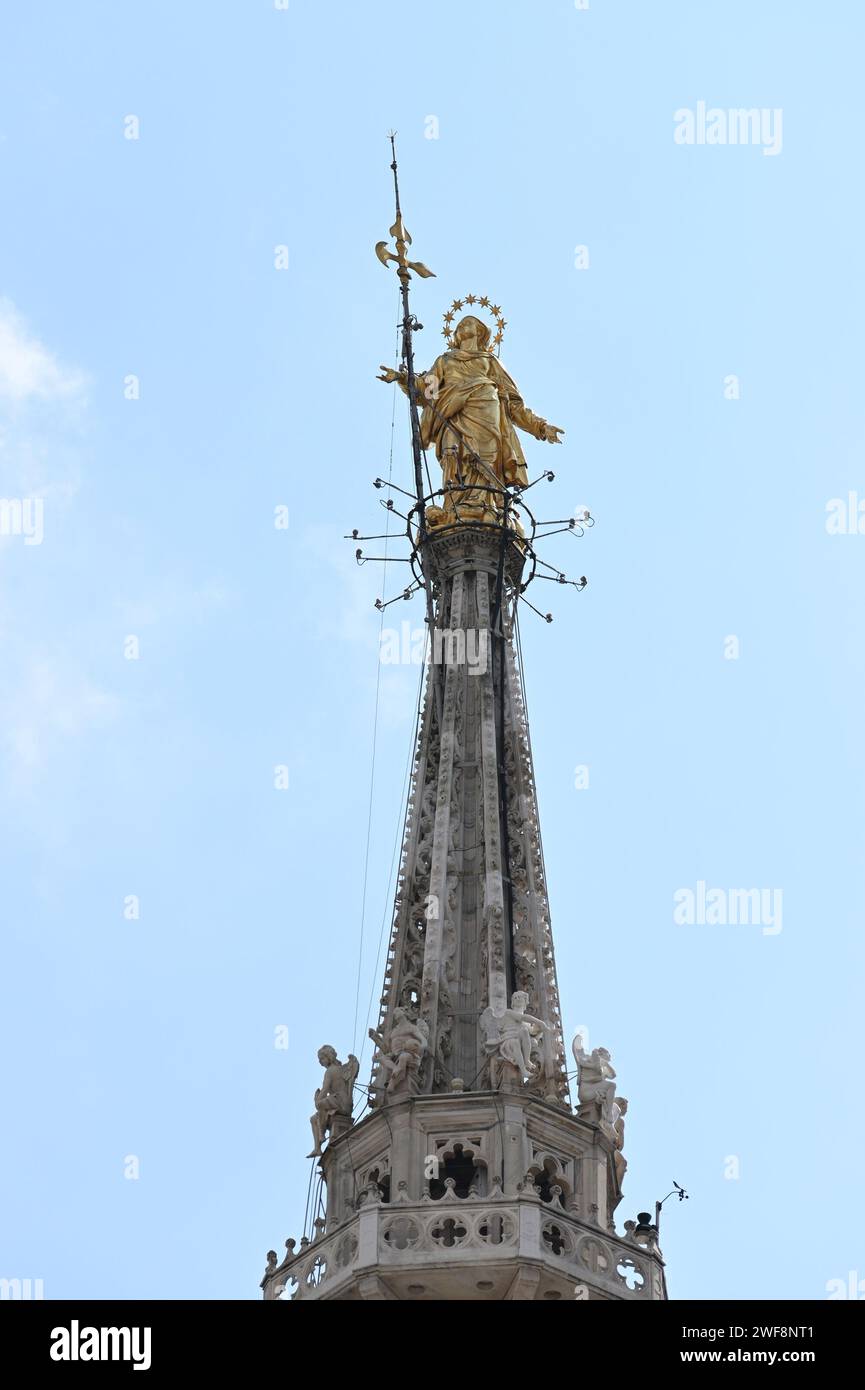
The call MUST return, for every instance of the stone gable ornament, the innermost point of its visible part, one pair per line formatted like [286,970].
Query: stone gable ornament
[333,1098]
[508,1041]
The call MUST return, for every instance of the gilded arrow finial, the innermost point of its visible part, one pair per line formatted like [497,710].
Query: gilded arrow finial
[403,239]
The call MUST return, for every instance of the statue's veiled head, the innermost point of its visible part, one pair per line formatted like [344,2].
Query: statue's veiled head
[472,333]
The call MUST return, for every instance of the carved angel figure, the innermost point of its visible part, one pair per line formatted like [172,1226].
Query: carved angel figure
[401,1050]
[508,1039]
[471,409]
[334,1096]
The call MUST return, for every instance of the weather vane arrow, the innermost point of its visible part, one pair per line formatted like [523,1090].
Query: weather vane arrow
[403,239]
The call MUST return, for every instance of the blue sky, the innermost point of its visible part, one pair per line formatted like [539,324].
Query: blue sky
[154,777]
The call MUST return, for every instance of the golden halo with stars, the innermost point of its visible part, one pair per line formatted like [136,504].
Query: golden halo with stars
[482,302]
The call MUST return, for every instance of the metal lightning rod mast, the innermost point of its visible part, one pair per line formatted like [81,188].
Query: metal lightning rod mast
[409,324]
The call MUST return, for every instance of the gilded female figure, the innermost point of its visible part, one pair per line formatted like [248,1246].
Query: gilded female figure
[470,411]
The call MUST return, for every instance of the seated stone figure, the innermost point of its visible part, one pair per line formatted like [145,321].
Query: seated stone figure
[508,1041]
[401,1049]
[334,1097]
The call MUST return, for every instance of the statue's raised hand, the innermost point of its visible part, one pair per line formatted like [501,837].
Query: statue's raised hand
[552,432]
[388,374]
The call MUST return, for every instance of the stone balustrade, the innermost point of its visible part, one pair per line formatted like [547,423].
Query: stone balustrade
[426,1236]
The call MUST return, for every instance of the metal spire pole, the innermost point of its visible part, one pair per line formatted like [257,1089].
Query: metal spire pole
[409,324]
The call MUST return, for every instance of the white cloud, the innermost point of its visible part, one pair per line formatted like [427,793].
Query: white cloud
[44,701]
[28,371]
[47,699]
[41,407]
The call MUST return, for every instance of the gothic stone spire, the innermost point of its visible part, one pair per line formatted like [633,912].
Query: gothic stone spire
[470,1177]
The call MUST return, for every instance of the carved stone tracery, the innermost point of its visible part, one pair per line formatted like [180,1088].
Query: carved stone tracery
[454,947]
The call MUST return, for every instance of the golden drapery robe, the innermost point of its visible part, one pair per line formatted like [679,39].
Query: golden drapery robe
[470,410]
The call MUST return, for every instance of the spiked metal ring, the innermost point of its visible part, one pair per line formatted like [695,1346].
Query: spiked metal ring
[483,302]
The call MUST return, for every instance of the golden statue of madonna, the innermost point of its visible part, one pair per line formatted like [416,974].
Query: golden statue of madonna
[470,412]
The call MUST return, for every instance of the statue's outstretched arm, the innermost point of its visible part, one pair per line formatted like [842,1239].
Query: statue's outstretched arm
[533,424]
[528,1018]
[425,390]
[389,374]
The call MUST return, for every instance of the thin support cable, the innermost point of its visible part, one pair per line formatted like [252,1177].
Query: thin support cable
[312,1169]
[374,735]
[528,738]
[399,841]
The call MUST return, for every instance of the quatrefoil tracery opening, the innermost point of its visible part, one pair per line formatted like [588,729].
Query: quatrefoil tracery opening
[401,1234]
[630,1274]
[449,1232]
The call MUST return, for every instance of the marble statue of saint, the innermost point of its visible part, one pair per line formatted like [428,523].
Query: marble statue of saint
[333,1097]
[508,1039]
[597,1087]
[620,1110]
[401,1050]
[470,412]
